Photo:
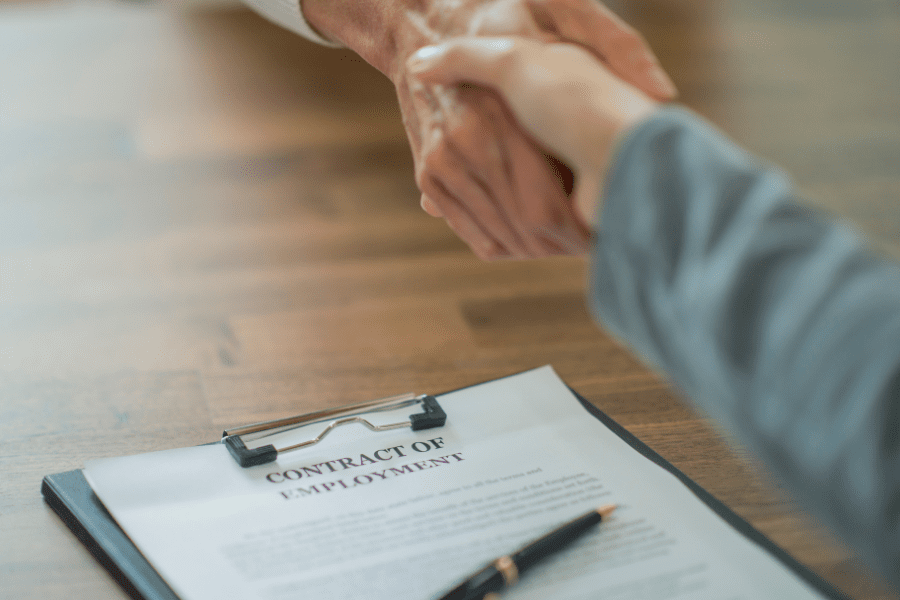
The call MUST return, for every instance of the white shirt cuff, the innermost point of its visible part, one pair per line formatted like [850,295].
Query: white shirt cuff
[289,14]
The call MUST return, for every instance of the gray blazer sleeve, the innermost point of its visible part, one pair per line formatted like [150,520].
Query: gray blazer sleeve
[773,318]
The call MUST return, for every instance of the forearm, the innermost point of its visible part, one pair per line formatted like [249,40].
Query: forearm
[774,318]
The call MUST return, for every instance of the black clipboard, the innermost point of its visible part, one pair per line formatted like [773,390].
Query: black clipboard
[72,498]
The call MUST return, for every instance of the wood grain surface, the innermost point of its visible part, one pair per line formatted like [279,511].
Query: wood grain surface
[206,221]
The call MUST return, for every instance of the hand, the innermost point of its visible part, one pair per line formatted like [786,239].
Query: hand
[572,104]
[486,202]
[495,187]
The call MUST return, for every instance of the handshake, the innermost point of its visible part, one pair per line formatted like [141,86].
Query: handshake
[504,102]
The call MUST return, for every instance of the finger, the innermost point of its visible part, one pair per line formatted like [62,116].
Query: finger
[545,211]
[537,205]
[466,228]
[424,121]
[536,191]
[451,159]
[539,186]
[570,244]
[532,197]
[414,110]
[483,61]
[472,194]
[591,24]
[430,207]
[575,236]
[482,140]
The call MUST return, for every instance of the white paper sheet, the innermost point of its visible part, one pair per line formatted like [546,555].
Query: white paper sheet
[406,515]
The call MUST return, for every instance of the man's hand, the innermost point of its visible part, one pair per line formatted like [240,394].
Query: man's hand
[493,184]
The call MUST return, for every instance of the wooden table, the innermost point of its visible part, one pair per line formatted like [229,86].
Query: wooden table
[206,221]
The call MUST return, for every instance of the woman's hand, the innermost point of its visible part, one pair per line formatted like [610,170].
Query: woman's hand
[572,104]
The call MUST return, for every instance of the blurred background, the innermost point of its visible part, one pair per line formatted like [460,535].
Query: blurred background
[206,220]
[124,121]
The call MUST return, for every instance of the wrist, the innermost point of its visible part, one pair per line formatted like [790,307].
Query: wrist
[382,32]
[592,173]
[611,122]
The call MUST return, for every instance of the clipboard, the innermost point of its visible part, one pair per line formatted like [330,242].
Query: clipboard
[432,415]
[72,498]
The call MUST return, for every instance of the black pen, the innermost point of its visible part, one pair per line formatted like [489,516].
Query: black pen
[505,571]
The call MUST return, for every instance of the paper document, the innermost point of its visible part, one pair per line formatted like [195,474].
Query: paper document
[406,515]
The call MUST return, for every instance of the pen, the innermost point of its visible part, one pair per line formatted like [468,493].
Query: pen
[505,571]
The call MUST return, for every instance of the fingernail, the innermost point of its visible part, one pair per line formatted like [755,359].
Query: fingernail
[664,84]
[424,57]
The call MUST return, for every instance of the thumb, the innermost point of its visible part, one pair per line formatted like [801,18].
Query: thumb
[483,61]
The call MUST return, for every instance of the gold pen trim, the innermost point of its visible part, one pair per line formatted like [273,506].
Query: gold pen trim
[508,569]
[606,510]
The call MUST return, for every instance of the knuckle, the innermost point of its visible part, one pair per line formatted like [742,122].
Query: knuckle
[435,161]
[423,182]
[467,123]
[474,145]
[503,18]
[420,174]
[510,56]
[425,178]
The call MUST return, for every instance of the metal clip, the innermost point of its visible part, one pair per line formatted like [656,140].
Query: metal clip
[432,415]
